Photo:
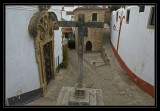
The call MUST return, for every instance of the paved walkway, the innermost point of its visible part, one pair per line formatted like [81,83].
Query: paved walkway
[116,87]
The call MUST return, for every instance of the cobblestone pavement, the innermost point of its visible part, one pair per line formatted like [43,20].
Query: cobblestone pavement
[116,87]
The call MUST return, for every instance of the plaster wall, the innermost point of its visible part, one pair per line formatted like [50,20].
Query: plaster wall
[136,43]
[57,36]
[65,16]
[21,69]
[69,17]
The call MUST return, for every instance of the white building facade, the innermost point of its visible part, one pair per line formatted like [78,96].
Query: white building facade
[22,78]
[133,42]
[67,12]
[58,36]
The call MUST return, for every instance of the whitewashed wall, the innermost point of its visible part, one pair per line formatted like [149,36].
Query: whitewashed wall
[68,17]
[21,69]
[136,44]
[64,16]
[58,36]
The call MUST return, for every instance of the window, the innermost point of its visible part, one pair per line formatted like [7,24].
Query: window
[151,19]
[94,17]
[141,8]
[117,17]
[127,16]
[81,17]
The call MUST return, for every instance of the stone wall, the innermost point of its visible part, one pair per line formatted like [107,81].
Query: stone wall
[107,18]
[95,35]
[88,15]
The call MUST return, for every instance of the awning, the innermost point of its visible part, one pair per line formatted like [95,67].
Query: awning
[66,27]
[67,31]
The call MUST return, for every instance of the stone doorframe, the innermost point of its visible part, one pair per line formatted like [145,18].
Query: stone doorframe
[41,28]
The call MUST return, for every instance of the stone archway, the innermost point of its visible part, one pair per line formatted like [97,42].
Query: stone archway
[88,46]
[41,28]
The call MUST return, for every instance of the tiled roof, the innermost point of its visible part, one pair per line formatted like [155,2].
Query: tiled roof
[66,29]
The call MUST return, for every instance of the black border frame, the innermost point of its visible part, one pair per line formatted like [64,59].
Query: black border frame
[80,4]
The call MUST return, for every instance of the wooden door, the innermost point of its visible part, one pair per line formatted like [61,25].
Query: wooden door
[47,51]
[88,46]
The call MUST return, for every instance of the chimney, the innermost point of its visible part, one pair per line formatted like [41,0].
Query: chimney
[62,8]
[104,6]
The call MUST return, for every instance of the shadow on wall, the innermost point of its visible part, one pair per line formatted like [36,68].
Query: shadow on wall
[107,18]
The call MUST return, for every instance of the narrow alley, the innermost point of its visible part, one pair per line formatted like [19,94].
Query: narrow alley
[116,87]
[80,55]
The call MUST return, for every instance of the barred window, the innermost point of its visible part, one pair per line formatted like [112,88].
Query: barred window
[151,19]
[94,17]
[127,16]
[141,8]
[117,17]
[81,17]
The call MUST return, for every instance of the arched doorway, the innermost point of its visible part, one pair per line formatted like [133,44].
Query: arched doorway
[41,28]
[88,46]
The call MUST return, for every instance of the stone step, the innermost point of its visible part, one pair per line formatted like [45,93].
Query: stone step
[93,97]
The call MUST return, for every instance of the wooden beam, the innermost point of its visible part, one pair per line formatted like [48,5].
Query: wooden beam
[79,24]
[81,27]
[67,23]
[95,24]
